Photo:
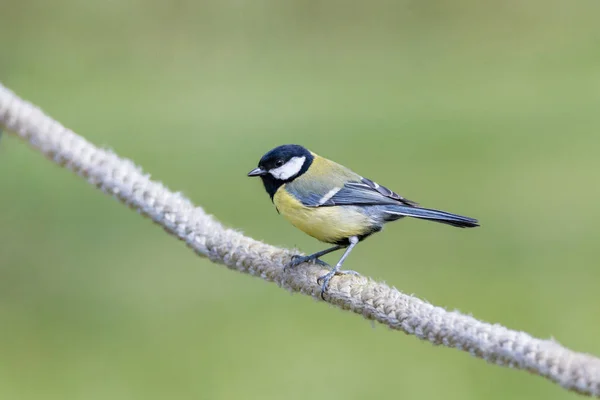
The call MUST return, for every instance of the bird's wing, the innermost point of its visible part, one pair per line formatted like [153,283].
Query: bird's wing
[328,183]
[361,192]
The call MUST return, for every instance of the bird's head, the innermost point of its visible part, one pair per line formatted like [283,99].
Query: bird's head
[282,164]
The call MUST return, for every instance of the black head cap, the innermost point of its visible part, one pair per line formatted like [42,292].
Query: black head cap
[282,154]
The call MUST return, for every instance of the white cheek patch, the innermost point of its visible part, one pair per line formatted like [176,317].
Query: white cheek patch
[289,169]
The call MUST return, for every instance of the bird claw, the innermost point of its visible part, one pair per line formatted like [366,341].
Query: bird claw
[327,277]
[297,260]
[321,263]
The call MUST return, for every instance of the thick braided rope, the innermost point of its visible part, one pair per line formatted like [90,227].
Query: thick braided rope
[207,237]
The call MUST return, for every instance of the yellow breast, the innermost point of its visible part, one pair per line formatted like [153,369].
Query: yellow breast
[327,224]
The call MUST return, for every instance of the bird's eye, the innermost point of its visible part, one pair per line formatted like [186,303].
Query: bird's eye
[279,163]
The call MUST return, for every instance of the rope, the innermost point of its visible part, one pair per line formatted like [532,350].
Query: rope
[125,181]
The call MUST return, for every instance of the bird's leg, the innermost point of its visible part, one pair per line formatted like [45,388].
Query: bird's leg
[297,260]
[336,270]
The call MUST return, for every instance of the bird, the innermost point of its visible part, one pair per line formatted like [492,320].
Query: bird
[335,205]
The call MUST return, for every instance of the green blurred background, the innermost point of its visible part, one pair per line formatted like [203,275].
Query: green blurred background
[490,109]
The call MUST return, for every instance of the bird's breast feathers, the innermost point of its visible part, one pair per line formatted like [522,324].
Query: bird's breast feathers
[327,224]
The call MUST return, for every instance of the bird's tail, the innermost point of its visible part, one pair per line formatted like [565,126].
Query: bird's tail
[396,212]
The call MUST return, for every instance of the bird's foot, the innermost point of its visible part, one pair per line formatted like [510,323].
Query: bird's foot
[297,260]
[327,277]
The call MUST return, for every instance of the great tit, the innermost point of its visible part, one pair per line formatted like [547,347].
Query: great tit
[333,204]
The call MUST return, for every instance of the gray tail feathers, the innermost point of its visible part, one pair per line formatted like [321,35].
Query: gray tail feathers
[396,212]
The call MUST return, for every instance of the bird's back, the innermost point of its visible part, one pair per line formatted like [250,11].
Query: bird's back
[323,176]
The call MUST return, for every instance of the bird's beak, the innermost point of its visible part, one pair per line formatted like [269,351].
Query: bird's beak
[257,172]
